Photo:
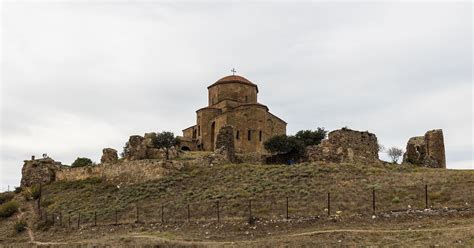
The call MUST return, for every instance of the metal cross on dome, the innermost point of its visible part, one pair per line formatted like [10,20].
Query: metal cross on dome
[233,71]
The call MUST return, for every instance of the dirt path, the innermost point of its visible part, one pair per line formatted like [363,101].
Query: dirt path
[382,230]
[220,243]
[28,229]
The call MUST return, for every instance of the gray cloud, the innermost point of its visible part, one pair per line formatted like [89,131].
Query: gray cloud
[78,77]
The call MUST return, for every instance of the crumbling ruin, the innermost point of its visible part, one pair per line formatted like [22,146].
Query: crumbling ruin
[39,171]
[109,155]
[427,150]
[225,149]
[139,147]
[346,146]
[225,142]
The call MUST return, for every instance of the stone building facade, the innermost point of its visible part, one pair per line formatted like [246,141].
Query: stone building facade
[427,150]
[233,102]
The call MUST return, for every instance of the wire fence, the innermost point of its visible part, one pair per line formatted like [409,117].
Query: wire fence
[331,203]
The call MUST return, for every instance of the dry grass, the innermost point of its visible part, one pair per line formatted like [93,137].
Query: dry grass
[233,185]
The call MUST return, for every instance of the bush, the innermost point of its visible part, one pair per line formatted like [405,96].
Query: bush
[8,209]
[126,150]
[6,196]
[20,226]
[283,144]
[395,153]
[396,199]
[35,191]
[81,162]
[166,140]
[18,190]
[310,137]
[289,146]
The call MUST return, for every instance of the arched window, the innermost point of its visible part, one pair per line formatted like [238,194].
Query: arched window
[246,99]
[260,135]
[237,135]
[249,135]
[199,130]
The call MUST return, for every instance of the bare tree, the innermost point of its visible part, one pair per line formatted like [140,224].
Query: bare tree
[381,148]
[395,153]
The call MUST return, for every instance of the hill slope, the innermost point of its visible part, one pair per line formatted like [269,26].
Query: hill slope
[306,185]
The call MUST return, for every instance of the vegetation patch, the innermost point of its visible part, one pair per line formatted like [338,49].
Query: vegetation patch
[6,197]
[20,226]
[8,209]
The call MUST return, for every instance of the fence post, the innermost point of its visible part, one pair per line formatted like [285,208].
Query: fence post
[250,211]
[287,207]
[329,204]
[116,217]
[426,196]
[373,201]
[40,196]
[162,217]
[138,219]
[78,220]
[95,218]
[218,215]
[189,216]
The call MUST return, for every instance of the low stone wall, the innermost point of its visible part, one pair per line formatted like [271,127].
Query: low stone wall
[124,172]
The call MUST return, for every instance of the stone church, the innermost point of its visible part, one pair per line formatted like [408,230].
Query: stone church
[233,101]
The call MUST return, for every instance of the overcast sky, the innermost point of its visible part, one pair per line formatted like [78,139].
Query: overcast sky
[78,77]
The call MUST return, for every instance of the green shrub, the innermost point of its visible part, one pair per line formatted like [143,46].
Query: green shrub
[396,199]
[283,144]
[20,226]
[6,196]
[18,190]
[8,209]
[46,202]
[166,140]
[35,191]
[310,137]
[26,194]
[81,162]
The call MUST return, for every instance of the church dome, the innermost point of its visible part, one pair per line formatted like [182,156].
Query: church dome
[233,79]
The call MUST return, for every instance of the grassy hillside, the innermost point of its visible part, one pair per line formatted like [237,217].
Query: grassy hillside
[268,187]
[233,185]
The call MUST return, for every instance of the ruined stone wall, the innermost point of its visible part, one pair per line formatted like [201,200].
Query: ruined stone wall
[143,148]
[225,141]
[122,172]
[38,171]
[346,146]
[427,150]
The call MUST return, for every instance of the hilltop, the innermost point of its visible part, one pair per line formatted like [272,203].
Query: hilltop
[163,206]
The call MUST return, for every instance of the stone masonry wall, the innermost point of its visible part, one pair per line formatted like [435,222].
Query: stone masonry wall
[346,146]
[427,150]
[122,172]
[39,171]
